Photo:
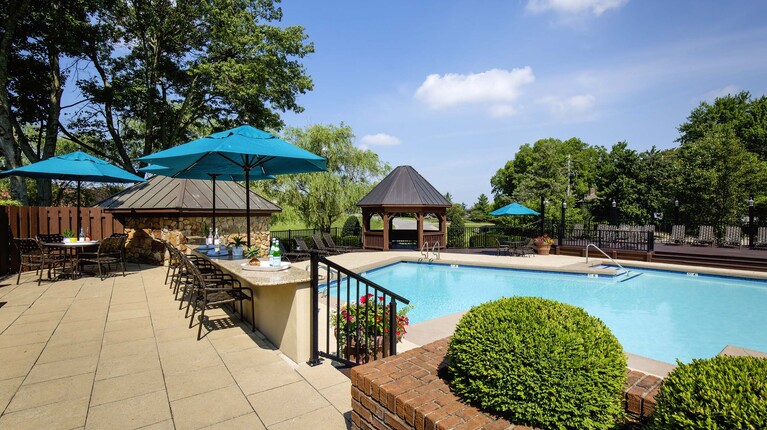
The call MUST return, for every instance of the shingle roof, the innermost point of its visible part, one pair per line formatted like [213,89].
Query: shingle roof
[404,187]
[164,193]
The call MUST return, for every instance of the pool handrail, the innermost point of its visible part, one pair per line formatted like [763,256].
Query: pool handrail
[625,271]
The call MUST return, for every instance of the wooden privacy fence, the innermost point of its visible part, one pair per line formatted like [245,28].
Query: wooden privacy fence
[29,221]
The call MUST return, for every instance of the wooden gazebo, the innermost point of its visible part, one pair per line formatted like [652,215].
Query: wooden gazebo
[403,192]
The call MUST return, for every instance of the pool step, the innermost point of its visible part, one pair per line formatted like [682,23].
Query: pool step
[630,276]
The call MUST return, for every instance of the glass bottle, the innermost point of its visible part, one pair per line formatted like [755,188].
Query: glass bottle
[81,237]
[277,253]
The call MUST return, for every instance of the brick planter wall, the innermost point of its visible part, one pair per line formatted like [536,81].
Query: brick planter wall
[406,392]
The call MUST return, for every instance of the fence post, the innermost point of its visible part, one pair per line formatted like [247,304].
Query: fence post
[561,234]
[393,327]
[650,241]
[315,351]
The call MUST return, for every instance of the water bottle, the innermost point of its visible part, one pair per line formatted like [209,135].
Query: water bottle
[216,241]
[81,238]
[272,255]
[209,239]
[277,253]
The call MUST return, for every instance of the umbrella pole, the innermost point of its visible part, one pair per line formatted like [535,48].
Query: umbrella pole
[247,203]
[79,222]
[213,178]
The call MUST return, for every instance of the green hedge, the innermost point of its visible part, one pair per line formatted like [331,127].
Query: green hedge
[716,393]
[539,363]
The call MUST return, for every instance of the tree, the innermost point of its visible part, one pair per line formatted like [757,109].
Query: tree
[321,198]
[480,212]
[746,116]
[718,174]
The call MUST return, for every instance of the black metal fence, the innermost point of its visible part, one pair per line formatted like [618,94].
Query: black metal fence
[358,321]
[486,236]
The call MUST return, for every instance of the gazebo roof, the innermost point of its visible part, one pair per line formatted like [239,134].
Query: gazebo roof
[404,187]
[164,194]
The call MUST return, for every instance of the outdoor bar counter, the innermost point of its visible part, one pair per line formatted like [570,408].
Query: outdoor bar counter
[283,304]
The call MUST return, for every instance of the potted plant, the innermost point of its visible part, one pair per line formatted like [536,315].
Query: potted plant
[362,327]
[237,243]
[543,244]
[69,236]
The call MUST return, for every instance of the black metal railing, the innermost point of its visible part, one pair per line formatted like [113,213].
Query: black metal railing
[728,235]
[358,318]
[341,236]
[633,238]
[486,236]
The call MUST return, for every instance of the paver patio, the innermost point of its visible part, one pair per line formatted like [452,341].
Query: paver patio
[119,354]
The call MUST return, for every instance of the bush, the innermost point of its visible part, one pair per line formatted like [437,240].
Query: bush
[539,363]
[351,226]
[716,393]
[484,240]
[350,241]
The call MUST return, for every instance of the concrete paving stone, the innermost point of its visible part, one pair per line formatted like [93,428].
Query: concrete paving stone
[234,343]
[132,306]
[339,395]
[66,351]
[326,418]
[208,408]
[197,381]
[186,345]
[128,334]
[125,349]
[174,333]
[8,340]
[15,368]
[162,425]
[204,357]
[129,323]
[53,391]
[132,413]
[62,415]
[127,386]
[322,376]
[248,421]
[61,304]
[116,315]
[286,402]
[21,352]
[34,318]
[92,315]
[265,377]
[87,335]
[62,369]
[38,326]
[79,326]
[251,357]
[127,365]
[8,389]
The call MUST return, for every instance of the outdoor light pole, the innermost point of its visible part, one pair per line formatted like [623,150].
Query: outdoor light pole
[615,212]
[543,213]
[751,220]
[676,211]
[562,224]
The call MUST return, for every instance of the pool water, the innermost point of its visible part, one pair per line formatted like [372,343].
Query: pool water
[660,315]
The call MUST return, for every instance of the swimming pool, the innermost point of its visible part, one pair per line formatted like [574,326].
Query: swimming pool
[660,315]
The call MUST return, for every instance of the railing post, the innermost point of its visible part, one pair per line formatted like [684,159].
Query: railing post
[393,327]
[650,241]
[315,309]
[561,234]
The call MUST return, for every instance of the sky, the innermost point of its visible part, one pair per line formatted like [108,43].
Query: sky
[454,88]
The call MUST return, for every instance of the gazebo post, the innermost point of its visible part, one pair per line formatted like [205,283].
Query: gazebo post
[419,227]
[386,226]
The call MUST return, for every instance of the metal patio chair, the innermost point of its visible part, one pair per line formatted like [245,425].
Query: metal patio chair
[332,244]
[319,244]
[33,255]
[677,235]
[109,253]
[732,237]
[761,238]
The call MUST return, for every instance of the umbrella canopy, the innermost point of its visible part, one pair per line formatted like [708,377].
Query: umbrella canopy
[197,174]
[75,166]
[514,209]
[244,149]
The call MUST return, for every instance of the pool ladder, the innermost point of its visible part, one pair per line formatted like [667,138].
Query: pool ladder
[625,271]
[435,252]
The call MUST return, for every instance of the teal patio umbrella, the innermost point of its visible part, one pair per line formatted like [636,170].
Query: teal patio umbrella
[196,174]
[75,166]
[514,209]
[245,149]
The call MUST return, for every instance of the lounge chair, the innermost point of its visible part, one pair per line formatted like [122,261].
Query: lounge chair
[301,246]
[732,237]
[761,238]
[319,244]
[528,249]
[332,244]
[705,236]
[294,255]
[677,235]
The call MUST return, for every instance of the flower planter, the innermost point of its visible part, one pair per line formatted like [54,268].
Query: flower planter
[237,252]
[543,249]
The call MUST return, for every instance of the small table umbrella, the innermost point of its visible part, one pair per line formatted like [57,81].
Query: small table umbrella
[196,174]
[241,149]
[75,166]
[514,209]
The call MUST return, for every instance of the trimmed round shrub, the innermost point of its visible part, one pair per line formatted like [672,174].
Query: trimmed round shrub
[715,393]
[539,363]
[351,226]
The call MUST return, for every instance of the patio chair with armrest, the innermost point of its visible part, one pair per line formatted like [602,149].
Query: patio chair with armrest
[210,292]
[705,236]
[294,255]
[109,252]
[526,249]
[677,235]
[761,238]
[502,244]
[301,246]
[33,255]
[319,244]
[732,237]
[332,244]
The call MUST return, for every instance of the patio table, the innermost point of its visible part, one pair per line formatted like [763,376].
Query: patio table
[72,250]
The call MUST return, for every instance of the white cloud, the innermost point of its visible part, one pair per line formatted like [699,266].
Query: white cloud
[720,92]
[575,107]
[452,89]
[499,111]
[380,139]
[571,7]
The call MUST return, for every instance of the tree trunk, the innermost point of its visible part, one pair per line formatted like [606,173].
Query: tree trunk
[52,122]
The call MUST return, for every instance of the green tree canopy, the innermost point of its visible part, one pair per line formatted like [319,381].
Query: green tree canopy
[480,212]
